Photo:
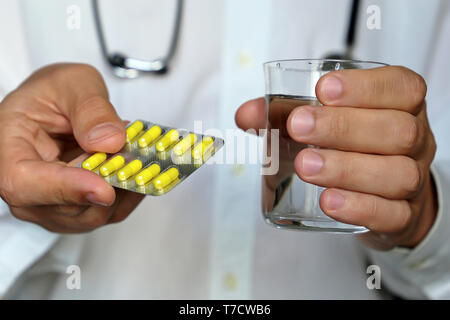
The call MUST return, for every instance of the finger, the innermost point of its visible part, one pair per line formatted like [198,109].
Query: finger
[41,217]
[252,115]
[76,219]
[389,132]
[390,87]
[44,183]
[80,95]
[393,177]
[96,125]
[27,180]
[89,219]
[375,213]
[126,202]
[14,131]
[67,210]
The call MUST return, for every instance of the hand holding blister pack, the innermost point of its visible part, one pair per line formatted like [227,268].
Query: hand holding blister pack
[155,158]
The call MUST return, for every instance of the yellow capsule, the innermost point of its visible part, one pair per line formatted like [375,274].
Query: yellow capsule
[130,169]
[147,174]
[187,142]
[165,178]
[134,129]
[167,140]
[200,149]
[149,136]
[112,165]
[94,161]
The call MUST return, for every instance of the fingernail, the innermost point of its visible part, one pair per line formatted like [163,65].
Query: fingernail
[92,198]
[331,88]
[334,200]
[102,132]
[312,163]
[302,122]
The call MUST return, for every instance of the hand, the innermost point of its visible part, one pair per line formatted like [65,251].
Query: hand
[43,124]
[378,147]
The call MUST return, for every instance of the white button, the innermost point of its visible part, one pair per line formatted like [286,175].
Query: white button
[245,59]
[238,170]
[230,281]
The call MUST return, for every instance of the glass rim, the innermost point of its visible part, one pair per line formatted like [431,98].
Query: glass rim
[316,61]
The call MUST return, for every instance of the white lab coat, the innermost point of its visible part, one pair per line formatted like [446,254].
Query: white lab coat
[207,238]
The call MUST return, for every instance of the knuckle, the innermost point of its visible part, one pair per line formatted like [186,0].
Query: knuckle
[347,170]
[15,122]
[75,69]
[96,220]
[76,72]
[339,125]
[371,212]
[381,86]
[404,72]
[8,188]
[412,177]
[92,105]
[20,214]
[433,147]
[86,68]
[61,193]
[409,133]
[413,84]
[405,217]
[419,88]
[7,196]
[69,210]
[30,130]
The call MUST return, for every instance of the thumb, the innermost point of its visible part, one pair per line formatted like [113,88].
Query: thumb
[81,94]
[252,115]
[96,125]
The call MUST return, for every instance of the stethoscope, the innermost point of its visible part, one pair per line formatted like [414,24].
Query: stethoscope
[129,68]
[350,37]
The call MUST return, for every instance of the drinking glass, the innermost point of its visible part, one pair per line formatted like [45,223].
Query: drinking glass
[287,201]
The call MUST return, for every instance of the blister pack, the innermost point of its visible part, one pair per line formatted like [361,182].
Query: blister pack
[155,158]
